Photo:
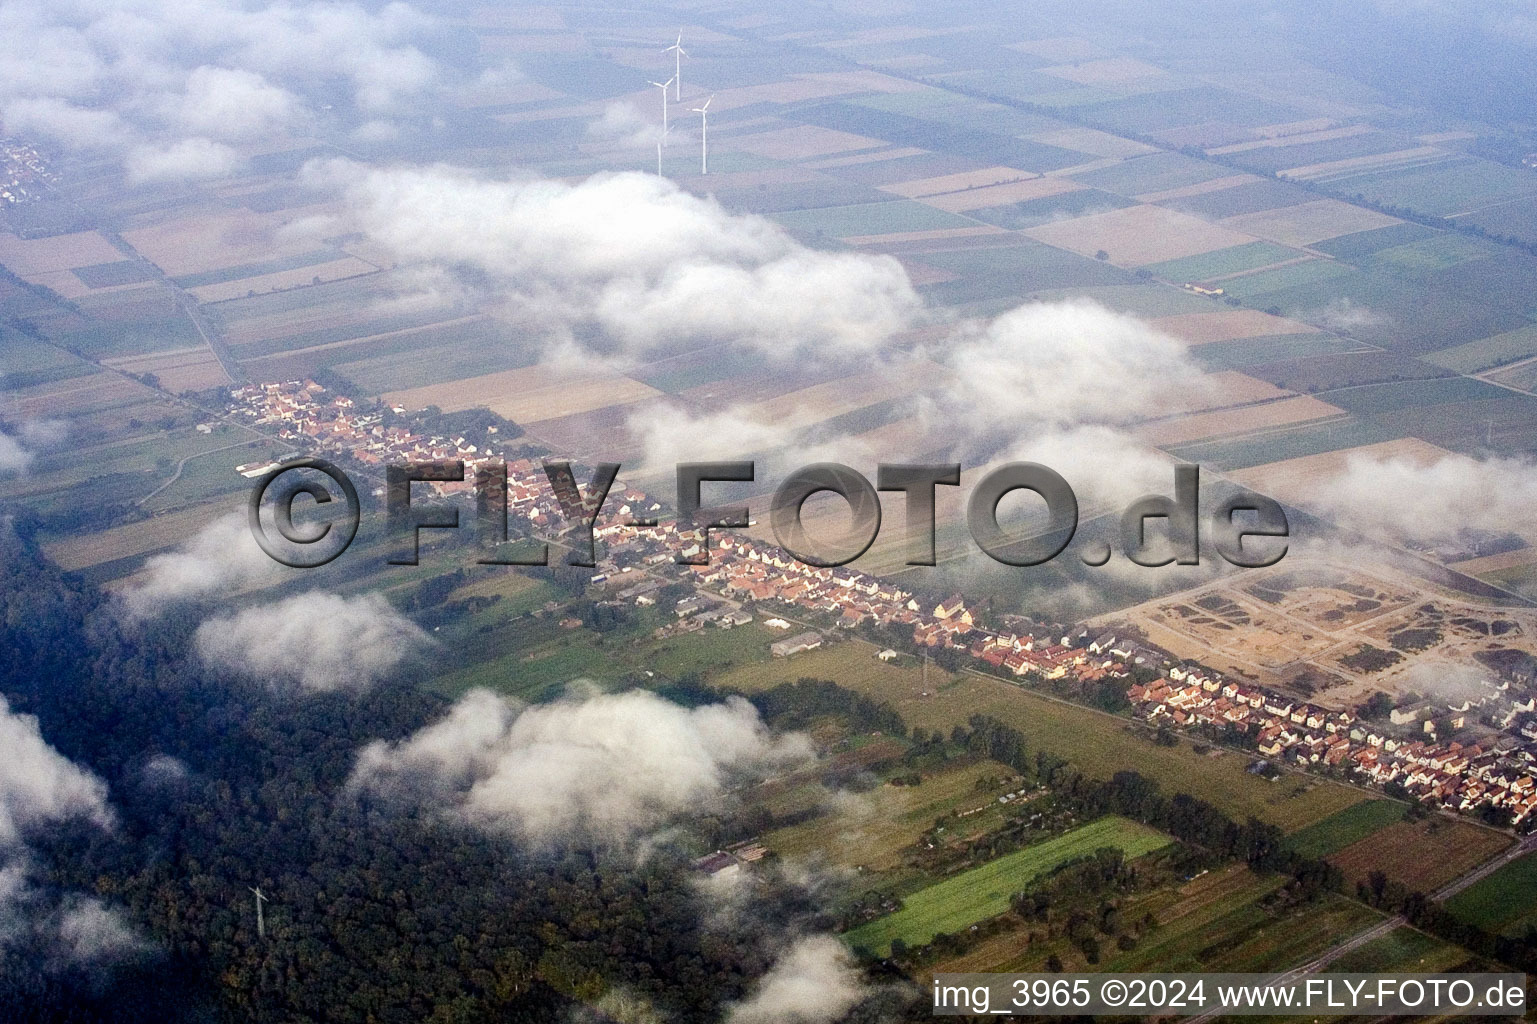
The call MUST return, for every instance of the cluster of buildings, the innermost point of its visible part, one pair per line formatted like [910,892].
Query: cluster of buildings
[23,174]
[1500,771]
[742,572]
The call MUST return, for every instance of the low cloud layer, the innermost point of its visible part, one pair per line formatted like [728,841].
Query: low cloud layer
[173,87]
[220,558]
[317,641]
[20,445]
[590,767]
[38,785]
[39,789]
[815,981]
[1426,503]
[629,265]
[1065,363]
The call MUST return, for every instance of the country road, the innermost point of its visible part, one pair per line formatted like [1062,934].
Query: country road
[187,303]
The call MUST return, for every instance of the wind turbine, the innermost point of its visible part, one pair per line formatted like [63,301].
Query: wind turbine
[261,922]
[704,136]
[663,86]
[658,158]
[676,49]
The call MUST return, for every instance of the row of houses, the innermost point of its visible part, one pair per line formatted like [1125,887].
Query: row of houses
[1456,776]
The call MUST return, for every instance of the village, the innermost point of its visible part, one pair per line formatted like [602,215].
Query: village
[1494,775]
[23,173]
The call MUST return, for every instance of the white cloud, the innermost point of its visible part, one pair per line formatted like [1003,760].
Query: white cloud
[599,767]
[185,160]
[1065,363]
[13,457]
[38,785]
[321,642]
[647,265]
[40,788]
[161,81]
[624,125]
[1424,503]
[815,981]
[231,103]
[91,932]
[222,557]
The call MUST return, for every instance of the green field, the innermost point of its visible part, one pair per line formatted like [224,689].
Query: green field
[1435,253]
[871,219]
[1232,260]
[1361,244]
[1338,831]
[1403,950]
[1504,901]
[1444,189]
[1155,172]
[984,891]
[1298,275]
[1232,355]
[1485,353]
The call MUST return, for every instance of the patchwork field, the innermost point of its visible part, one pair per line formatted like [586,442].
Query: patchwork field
[1139,235]
[1099,744]
[984,891]
[1229,422]
[869,831]
[1228,325]
[184,369]
[1423,855]
[528,395]
[1351,825]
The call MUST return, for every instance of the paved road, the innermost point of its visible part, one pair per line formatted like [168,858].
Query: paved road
[188,304]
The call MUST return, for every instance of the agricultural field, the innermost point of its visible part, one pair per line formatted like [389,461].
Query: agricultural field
[1097,743]
[1404,950]
[1229,422]
[864,220]
[528,395]
[984,891]
[1487,353]
[1228,325]
[1422,855]
[1307,223]
[870,831]
[1139,235]
[1224,262]
[1504,901]
[1351,825]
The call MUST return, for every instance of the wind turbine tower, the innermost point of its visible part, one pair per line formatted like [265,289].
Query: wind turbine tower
[663,86]
[261,921]
[704,136]
[676,49]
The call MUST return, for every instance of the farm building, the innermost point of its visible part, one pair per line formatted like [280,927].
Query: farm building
[795,644]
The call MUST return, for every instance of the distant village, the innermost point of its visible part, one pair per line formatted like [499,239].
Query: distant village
[742,575]
[24,176]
